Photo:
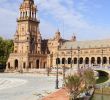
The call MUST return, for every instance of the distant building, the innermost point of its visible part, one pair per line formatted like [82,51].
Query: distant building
[32,52]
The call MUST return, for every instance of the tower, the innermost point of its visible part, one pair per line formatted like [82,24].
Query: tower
[27,40]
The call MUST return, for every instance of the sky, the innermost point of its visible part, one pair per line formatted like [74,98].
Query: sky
[87,19]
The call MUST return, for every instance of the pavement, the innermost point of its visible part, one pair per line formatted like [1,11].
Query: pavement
[17,86]
[60,94]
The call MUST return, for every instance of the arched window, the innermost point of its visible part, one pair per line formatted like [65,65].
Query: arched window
[98,60]
[69,60]
[63,60]
[86,60]
[75,60]
[81,60]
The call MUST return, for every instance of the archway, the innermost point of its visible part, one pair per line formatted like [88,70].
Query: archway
[37,64]
[81,60]
[9,65]
[98,60]
[44,65]
[69,60]
[104,60]
[57,60]
[109,60]
[63,60]
[24,65]
[92,60]
[86,60]
[75,60]
[30,65]
[16,64]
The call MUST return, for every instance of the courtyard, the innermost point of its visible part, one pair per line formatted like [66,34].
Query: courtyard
[15,86]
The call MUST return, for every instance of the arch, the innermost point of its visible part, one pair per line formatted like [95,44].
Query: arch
[109,60]
[57,60]
[93,60]
[63,60]
[104,60]
[75,60]
[30,64]
[24,65]
[86,60]
[16,64]
[37,63]
[81,60]
[9,65]
[44,66]
[69,60]
[98,60]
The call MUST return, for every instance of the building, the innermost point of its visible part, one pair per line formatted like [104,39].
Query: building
[32,52]
[27,52]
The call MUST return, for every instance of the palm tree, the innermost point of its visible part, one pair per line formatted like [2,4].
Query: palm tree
[73,84]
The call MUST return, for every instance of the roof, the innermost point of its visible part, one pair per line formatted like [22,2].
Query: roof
[86,44]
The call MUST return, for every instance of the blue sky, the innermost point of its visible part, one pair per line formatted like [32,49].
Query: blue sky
[87,19]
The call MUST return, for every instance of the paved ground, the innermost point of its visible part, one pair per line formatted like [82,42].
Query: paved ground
[25,86]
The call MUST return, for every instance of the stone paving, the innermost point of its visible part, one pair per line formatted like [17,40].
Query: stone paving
[25,86]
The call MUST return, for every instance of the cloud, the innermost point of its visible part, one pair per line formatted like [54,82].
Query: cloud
[67,15]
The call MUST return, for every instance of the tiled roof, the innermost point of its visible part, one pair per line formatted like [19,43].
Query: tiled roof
[86,44]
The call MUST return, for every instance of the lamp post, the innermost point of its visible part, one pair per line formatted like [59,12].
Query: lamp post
[78,56]
[64,72]
[102,56]
[102,93]
[57,62]
[71,57]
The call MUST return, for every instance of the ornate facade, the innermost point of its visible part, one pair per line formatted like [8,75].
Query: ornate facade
[27,40]
[32,52]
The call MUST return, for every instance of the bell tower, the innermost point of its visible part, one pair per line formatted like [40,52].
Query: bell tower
[27,38]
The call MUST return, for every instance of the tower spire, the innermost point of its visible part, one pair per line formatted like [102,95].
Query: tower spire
[28,10]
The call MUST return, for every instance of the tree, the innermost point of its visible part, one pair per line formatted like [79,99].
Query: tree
[6,47]
[79,82]
[73,84]
[89,78]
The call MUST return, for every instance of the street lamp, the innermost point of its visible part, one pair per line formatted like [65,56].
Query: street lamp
[102,56]
[64,62]
[102,92]
[71,57]
[57,62]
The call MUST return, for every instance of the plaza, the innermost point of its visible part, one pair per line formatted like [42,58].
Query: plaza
[26,86]
[32,55]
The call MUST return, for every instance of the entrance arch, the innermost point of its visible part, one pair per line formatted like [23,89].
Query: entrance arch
[16,64]
[9,65]
[37,64]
